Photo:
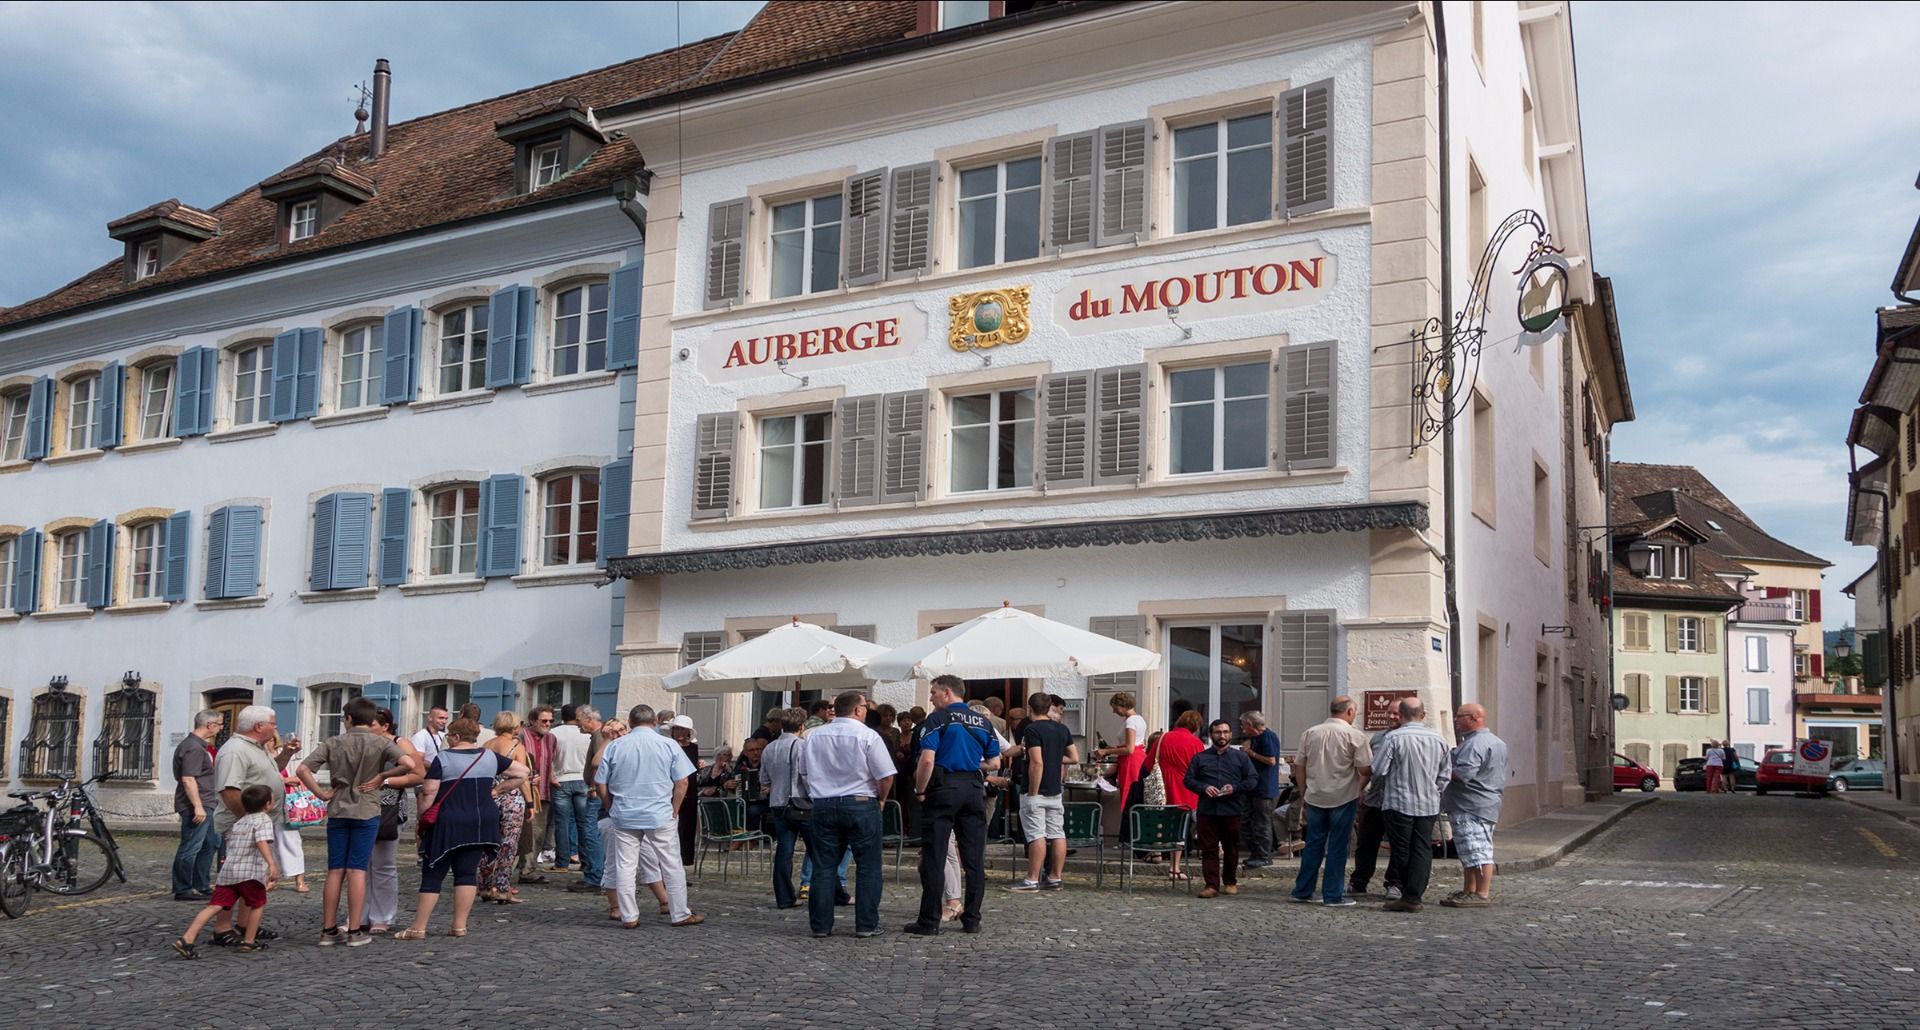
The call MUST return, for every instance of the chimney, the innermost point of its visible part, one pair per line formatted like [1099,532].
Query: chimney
[382,91]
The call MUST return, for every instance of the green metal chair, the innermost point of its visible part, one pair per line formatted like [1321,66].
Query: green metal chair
[893,834]
[722,825]
[1157,830]
[1083,829]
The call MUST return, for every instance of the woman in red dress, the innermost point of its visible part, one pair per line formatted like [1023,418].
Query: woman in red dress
[1131,753]
[1177,749]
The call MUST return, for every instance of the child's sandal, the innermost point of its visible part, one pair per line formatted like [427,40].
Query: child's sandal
[186,950]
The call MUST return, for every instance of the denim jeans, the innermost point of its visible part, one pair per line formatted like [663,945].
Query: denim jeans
[786,830]
[593,853]
[1329,835]
[843,825]
[806,867]
[193,860]
[574,829]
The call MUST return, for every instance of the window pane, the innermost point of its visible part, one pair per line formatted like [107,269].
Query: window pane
[826,259]
[1016,404]
[1023,226]
[813,477]
[826,210]
[980,182]
[775,431]
[1246,380]
[1023,173]
[776,477]
[1250,130]
[816,426]
[1190,448]
[1016,455]
[976,232]
[787,268]
[1192,384]
[790,216]
[1196,140]
[1249,186]
[973,410]
[1241,661]
[1245,445]
[969,463]
[1190,669]
[1196,195]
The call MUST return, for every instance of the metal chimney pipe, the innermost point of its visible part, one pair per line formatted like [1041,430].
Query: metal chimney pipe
[382,91]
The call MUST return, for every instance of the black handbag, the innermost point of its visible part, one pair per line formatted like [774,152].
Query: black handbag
[392,815]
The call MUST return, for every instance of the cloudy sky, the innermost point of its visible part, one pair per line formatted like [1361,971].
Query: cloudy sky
[1751,177]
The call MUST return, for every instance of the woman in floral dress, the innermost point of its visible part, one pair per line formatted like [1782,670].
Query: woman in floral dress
[496,873]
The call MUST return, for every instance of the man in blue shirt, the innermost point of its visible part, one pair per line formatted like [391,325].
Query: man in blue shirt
[953,794]
[1256,823]
[642,783]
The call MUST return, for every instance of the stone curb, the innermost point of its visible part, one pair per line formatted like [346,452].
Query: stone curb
[1561,848]
[1911,817]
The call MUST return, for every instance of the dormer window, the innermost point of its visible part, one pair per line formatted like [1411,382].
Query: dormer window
[303,220]
[146,263]
[549,140]
[544,162]
[156,236]
[1682,563]
[955,13]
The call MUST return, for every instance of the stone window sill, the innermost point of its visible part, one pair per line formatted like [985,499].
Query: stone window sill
[349,417]
[75,457]
[226,603]
[138,608]
[14,466]
[583,381]
[164,443]
[464,398]
[326,596]
[6,617]
[462,585]
[248,432]
[560,577]
[64,614]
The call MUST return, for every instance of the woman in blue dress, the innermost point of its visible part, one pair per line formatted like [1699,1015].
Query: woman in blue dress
[459,823]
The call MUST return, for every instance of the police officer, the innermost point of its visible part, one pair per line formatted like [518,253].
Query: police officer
[953,800]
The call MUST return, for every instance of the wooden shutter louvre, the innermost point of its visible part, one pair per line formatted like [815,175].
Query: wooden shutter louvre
[1673,634]
[1712,690]
[216,576]
[175,556]
[242,551]
[209,388]
[493,694]
[1307,148]
[1068,197]
[713,466]
[1646,693]
[109,427]
[1308,392]
[726,253]
[1066,410]
[285,353]
[1709,636]
[903,457]
[310,353]
[39,419]
[320,570]
[856,462]
[396,504]
[1120,403]
[510,337]
[616,509]
[603,693]
[286,708]
[97,590]
[1673,694]
[1125,628]
[863,229]
[27,548]
[186,393]
[400,361]
[1304,674]
[500,526]
[352,552]
[623,317]
[910,221]
[1125,168]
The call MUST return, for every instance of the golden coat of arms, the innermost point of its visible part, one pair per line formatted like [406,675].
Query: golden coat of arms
[989,318]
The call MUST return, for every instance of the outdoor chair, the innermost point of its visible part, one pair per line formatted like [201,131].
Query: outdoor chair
[1083,829]
[723,825]
[1157,830]
[893,834]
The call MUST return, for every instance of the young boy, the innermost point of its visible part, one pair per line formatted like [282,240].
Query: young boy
[250,871]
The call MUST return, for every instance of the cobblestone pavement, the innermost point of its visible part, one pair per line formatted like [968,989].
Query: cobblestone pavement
[1726,912]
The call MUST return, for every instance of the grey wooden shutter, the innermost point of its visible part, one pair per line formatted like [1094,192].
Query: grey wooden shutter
[1125,628]
[1709,636]
[698,647]
[39,419]
[903,466]
[616,509]
[320,561]
[174,581]
[726,253]
[1307,406]
[713,466]
[1120,401]
[1303,675]
[856,462]
[1673,693]
[863,227]
[306,388]
[1125,168]
[623,317]
[27,549]
[1066,433]
[396,503]
[910,221]
[1068,197]
[97,589]
[1306,141]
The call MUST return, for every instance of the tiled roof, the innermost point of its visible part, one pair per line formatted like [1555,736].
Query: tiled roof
[783,35]
[1631,479]
[328,166]
[1680,491]
[171,210]
[438,169]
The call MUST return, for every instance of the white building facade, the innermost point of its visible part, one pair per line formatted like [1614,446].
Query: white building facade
[1760,636]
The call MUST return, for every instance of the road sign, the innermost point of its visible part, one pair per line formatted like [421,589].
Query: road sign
[1812,757]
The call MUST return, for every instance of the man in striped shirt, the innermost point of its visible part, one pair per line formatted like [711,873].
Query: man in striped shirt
[1412,766]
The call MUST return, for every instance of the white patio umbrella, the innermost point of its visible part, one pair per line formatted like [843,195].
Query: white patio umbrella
[1010,643]
[796,656]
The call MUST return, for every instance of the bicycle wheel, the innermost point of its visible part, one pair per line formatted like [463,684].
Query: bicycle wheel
[106,837]
[15,892]
[80,864]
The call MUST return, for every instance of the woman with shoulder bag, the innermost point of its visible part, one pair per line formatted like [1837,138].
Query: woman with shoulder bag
[459,824]
[383,872]
[496,873]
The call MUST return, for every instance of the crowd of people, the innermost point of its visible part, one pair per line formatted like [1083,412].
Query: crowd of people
[501,807]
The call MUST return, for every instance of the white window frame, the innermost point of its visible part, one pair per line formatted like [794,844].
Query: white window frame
[1215,649]
[583,518]
[947,23]
[330,704]
[1802,665]
[998,198]
[146,260]
[994,426]
[467,348]
[461,544]
[1760,699]
[13,425]
[1799,605]
[808,227]
[1220,154]
[1682,561]
[160,372]
[70,568]
[1757,654]
[572,690]
[9,562]
[1657,563]
[447,694]
[1698,685]
[1218,403]
[1687,628]
[358,341]
[260,399]
[147,540]
[583,320]
[83,412]
[796,483]
[543,165]
[303,220]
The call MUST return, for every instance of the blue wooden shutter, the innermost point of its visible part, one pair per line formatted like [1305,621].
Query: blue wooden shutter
[27,548]
[174,583]
[110,427]
[623,314]
[510,336]
[209,387]
[352,551]
[500,526]
[216,578]
[193,381]
[605,695]
[286,376]
[395,503]
[286,708]
[616,508]
[39,419]
[97,590]
[306,389]
[387,694]
[243,551]
[492,694]
[400,379]
[320,574]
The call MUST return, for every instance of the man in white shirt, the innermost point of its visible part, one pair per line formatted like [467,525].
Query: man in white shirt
[429,739]
[642,782]
[849,771]
[575,829]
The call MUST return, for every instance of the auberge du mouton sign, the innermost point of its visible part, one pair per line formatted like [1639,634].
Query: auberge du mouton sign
[1216,286]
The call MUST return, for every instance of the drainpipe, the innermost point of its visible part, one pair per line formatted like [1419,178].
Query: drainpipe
[1449,499]
[1889,749]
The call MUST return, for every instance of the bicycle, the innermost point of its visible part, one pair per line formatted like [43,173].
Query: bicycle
[81,803]
[46,850]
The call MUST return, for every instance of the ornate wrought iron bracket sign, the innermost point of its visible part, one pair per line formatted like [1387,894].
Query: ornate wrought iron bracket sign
[1446,355]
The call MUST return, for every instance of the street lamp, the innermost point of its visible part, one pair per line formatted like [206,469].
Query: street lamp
[1640,557]
[1843,650]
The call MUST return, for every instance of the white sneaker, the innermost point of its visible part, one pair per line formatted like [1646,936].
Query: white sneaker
[1393,894]
[545,857]
[1025,887]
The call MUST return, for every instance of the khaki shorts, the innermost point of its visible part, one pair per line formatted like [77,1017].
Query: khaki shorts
[1043,818]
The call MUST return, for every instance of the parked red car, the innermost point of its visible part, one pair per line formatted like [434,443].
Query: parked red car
[1631,775]
[1776,773]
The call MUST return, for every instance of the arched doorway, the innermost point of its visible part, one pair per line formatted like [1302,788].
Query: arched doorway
[228,703]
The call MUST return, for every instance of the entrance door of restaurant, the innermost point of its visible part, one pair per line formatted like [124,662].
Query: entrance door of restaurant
[227,703]
[1011,692]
